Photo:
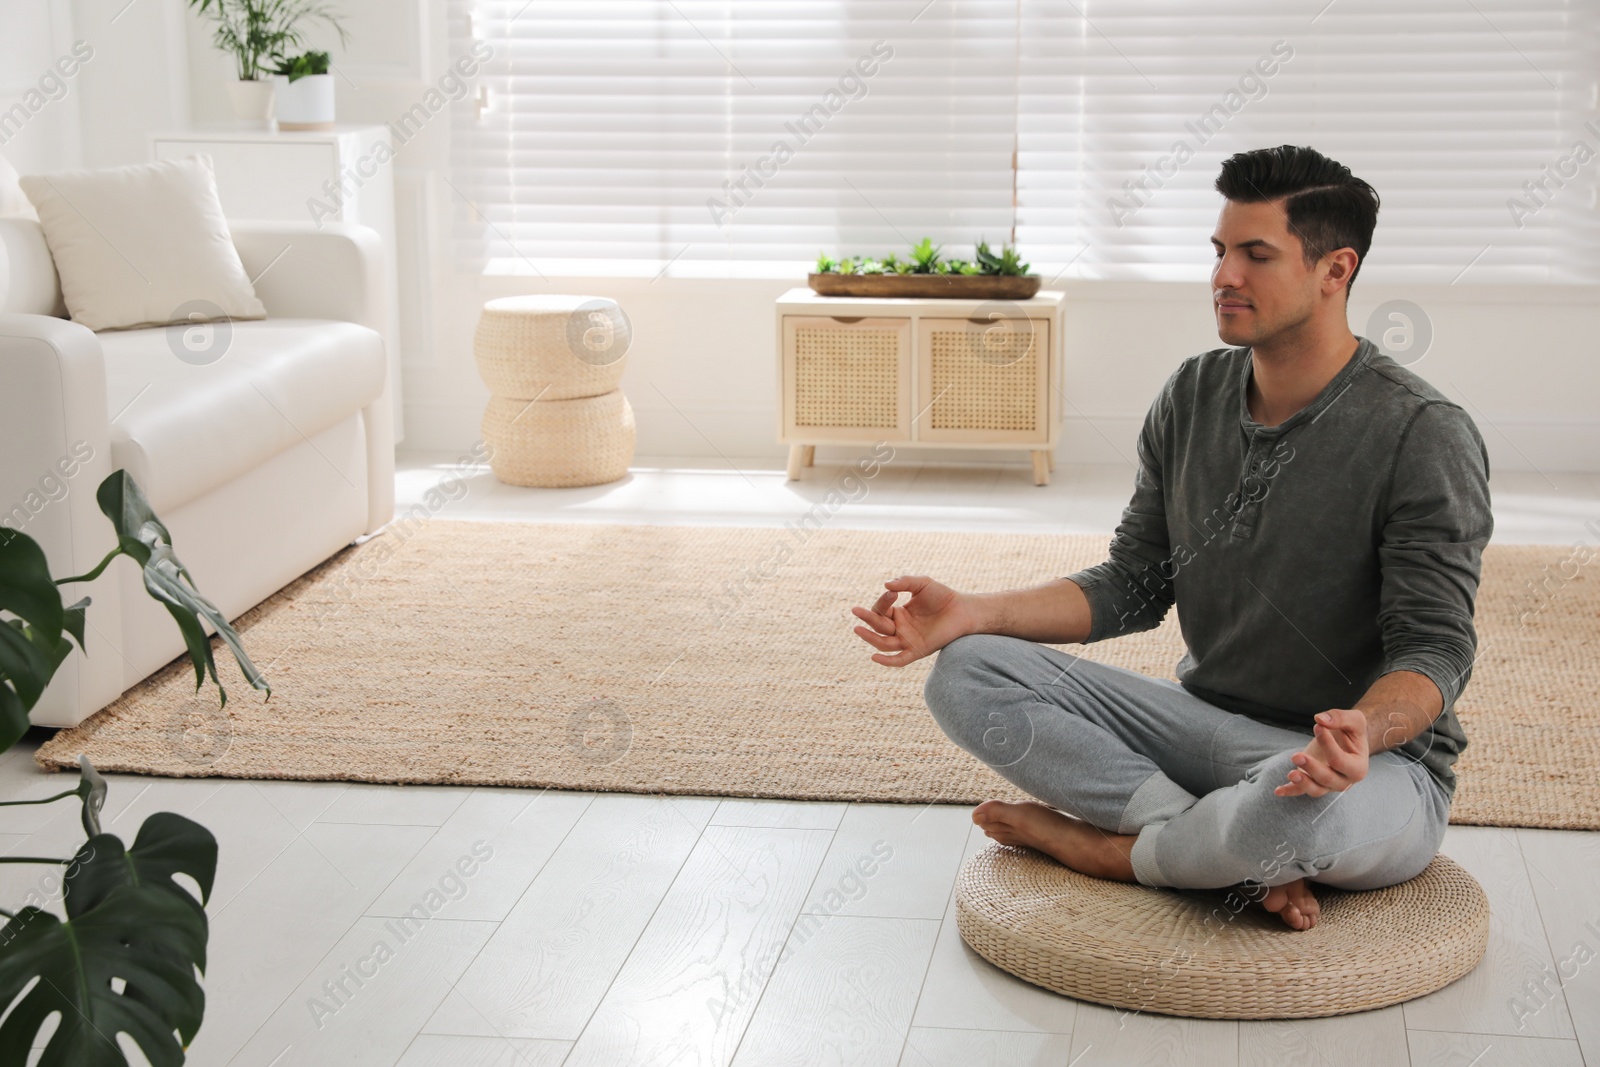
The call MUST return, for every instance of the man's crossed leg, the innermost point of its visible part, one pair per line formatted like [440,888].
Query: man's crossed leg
[1171,790]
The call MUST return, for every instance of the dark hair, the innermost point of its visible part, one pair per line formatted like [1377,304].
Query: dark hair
[1328,207]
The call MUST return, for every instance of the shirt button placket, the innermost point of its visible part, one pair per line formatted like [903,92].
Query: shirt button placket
[1244,521]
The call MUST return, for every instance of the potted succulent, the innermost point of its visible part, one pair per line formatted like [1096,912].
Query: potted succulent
[989,275]
[259,33]
[302,93]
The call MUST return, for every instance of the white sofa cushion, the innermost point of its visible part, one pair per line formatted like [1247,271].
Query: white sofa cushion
[183,427]
[142,245]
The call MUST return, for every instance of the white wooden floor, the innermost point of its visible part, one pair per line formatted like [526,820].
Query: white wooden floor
[609,929]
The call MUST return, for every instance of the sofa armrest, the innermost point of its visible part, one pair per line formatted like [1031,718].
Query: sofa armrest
[28,281]
[334,271]
[55,450]
[52,401]
[302,272]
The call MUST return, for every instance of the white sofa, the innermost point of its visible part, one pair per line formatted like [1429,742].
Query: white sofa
[262,463]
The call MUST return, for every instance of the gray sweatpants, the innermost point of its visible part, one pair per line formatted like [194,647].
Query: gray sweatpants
[1139,755]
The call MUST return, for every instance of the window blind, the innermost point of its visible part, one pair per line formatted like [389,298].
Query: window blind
[729,136]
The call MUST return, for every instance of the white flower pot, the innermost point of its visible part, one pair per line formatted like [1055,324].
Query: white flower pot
[305,103]
[252,103]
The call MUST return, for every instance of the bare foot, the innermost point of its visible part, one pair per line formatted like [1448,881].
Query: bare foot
[1080,845]
[1294,903]
[1089,850]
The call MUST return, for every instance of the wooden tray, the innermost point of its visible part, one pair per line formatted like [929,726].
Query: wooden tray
[954,286]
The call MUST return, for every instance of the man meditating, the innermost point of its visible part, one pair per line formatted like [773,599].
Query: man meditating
[1317,513]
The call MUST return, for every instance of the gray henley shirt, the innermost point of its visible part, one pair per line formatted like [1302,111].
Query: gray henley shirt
[1309,558]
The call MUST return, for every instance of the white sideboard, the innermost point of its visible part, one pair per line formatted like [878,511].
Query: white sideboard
[928,372]
[336,175]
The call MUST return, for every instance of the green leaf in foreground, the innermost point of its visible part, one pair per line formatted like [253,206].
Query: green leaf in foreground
[26,588]
[125,966]
[92,788]
[167,844]
[14,720]
[34,635]
[145,538]
[125,958]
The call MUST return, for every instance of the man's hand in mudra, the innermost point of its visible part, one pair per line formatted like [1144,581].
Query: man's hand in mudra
[933,617]
[1336,758]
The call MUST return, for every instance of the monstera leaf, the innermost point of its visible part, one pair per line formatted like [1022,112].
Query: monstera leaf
[37,624]
[124,960]
[167,844]
[92,788]
[26,588]
[145,538]
[33,641]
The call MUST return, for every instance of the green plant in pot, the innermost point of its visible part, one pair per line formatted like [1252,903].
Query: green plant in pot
[125,957]
[302,92]
[926,272]
[259,34]
[1008,262]
[926,258]
[307,65]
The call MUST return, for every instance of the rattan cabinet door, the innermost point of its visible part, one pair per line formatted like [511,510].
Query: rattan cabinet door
[846,379]
[982,381]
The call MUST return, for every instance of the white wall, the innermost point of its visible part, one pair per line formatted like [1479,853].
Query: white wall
[136,84]
[701,373]
[133,82]
[43,135]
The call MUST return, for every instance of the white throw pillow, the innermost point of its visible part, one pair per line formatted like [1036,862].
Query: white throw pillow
[142,245]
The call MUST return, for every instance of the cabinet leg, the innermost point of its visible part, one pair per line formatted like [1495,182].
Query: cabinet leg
[796,460]
[1041,468]
[809,454]
[1050,458]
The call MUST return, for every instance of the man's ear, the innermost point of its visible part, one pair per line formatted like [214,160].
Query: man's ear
[1339,265]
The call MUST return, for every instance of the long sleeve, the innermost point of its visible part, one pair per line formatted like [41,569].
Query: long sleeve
[1133,590]
[1437,521]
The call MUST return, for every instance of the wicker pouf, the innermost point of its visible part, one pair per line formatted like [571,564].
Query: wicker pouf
[551,347]
[584,441]
[1153,949]
[552,364]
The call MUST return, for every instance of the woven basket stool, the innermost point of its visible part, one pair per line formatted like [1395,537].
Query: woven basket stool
[552,363]
[555,443]
[1153,949]
[551,347]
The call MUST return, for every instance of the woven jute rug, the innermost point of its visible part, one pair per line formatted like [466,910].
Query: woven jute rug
[721,660]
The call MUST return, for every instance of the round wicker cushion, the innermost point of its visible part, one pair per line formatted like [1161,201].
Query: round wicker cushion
[584,441]
[551,347]
[1152,949]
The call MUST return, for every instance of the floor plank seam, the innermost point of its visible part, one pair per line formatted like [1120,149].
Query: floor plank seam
[621,966]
